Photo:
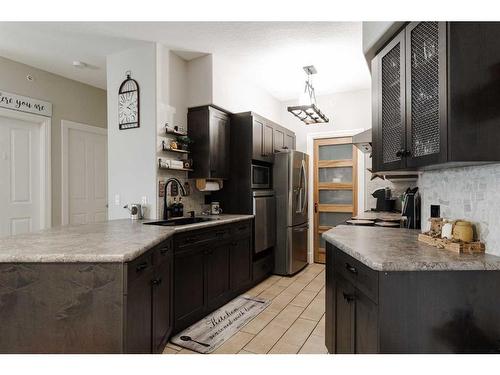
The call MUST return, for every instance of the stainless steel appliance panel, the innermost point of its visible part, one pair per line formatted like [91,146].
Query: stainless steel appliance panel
[290,172]
[264,209]
[297,247]
[298,190]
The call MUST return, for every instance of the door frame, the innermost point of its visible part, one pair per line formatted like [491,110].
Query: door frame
[45,160]
[66,125]
[311,137]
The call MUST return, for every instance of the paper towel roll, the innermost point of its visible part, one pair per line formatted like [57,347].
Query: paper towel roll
[208,185]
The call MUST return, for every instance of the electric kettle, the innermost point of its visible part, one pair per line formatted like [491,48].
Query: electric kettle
[135,210]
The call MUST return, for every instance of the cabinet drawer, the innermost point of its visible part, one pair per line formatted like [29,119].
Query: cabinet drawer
[140,266]
[362,277]
[161,251]
[243,228]
[189,239]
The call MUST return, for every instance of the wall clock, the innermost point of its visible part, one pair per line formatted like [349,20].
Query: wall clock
[128,104]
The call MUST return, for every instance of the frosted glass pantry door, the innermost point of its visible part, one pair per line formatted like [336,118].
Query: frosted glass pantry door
[335,187]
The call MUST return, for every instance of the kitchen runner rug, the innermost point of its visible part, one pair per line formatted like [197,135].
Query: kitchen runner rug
[212,331]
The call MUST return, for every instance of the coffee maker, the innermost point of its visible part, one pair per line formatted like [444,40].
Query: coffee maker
[411,208]
[384,200]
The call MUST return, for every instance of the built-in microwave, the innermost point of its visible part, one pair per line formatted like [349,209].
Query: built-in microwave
[261,177]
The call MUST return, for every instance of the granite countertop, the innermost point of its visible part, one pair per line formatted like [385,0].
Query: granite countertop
[111,241]
[394,249]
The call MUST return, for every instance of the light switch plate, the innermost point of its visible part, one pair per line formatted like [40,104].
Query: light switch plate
[117,199]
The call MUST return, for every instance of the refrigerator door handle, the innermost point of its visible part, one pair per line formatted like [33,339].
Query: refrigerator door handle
[304,184]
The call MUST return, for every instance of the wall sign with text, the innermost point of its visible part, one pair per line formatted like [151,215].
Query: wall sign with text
[25,104]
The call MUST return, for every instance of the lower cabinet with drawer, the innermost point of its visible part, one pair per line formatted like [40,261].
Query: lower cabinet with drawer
[211,267]
[418,311]
[148,300]
[351,297]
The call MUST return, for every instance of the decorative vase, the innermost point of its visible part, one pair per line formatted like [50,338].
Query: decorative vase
[462,231]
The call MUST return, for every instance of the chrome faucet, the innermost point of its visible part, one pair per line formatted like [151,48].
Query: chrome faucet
[181,188]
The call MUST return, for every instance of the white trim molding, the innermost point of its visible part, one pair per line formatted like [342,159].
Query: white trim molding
[45,160]
[66,125]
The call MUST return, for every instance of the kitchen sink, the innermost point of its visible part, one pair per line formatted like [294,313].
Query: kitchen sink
[180,221]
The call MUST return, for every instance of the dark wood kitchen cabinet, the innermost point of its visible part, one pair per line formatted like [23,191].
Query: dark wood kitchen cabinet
[264,136]
[205,264]
[369,311]
[262,139]
[189,286]
[217,274]
[148,300]
[279,139]
[290,140]
[162,296]
[140,274]
[240,256]
[209,128]
[434,86]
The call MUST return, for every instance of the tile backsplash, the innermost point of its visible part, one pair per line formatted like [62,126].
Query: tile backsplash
[195,201]
[469,193]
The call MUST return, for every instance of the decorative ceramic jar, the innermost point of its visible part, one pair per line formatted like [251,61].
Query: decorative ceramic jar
[462,231]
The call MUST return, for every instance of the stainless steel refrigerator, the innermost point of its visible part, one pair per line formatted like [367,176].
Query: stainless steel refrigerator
[290,182]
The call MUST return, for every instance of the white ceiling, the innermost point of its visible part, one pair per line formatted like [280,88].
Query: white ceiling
[271,54]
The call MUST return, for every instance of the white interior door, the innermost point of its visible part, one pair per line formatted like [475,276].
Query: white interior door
[21,206]
[85,174]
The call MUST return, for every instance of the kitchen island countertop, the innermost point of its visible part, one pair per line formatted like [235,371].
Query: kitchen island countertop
[111,241]
[390,249]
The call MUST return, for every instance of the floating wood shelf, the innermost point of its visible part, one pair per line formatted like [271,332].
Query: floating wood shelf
[174,132]
[177,169]
[175,150]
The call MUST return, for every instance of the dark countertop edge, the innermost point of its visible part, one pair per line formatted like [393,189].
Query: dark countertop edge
[52,258]
[417,266]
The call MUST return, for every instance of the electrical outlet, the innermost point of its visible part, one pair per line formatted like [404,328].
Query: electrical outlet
[117,199]
[144,200]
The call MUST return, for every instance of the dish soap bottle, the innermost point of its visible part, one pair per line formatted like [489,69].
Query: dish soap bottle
[180,208]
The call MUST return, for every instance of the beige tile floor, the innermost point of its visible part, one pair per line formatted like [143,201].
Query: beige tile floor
[293,323]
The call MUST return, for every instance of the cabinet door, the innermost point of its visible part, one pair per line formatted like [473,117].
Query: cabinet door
[389,128]
[240,264]
[217,275]
[279,139]
[366,325]
[219,144]
[290,141]
[345,316]
[257,134]
[139,303]
[189,297]
[426,137]
[330,309]
[162,302]
[267,142]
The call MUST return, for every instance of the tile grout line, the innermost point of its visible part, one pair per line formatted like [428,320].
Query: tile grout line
[298,317]
[296,320]
[280,310]
[311,334]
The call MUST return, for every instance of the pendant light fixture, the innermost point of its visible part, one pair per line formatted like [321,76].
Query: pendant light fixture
[307,111]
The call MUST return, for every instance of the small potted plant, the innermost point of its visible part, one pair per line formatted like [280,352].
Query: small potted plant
[184,142]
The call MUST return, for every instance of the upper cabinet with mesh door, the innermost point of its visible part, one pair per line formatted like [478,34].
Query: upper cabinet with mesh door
[435,95]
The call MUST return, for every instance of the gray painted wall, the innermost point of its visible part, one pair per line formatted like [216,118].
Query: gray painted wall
[71,100]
